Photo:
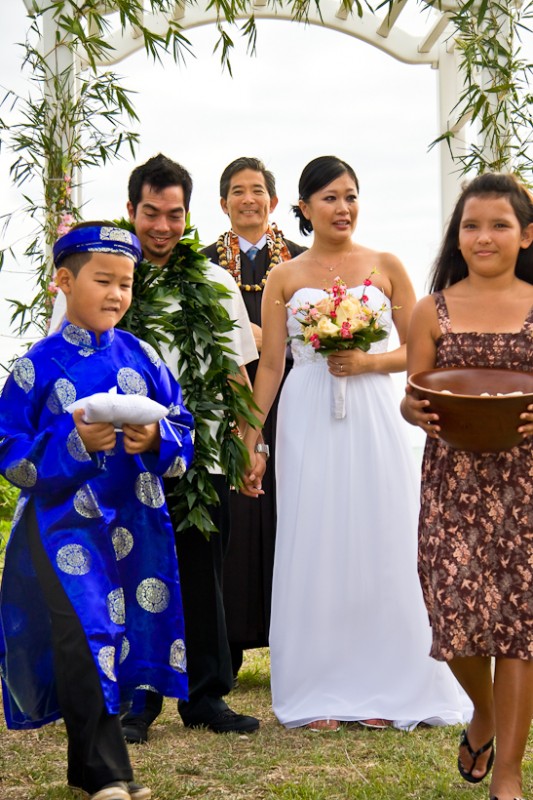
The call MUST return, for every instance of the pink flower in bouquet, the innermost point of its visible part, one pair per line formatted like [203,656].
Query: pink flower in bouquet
[345,331]
[340,321]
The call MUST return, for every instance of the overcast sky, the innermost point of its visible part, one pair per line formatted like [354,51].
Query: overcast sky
[309,91]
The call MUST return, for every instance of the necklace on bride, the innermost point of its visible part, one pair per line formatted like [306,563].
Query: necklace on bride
[337,266]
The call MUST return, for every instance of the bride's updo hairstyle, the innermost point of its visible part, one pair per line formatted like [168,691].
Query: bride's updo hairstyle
[317,174]
[449,266]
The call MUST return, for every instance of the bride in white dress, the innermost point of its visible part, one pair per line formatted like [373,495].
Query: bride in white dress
[349,636]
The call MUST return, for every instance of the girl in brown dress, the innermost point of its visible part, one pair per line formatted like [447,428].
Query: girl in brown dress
[476,519]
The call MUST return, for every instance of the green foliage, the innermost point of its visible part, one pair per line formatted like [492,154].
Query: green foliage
[197,330]
[8,500]
[497,96]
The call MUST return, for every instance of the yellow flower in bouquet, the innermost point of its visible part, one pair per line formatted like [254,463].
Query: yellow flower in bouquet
[340,321]
[326,327]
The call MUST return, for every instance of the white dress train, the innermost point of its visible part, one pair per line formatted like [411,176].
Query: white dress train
[349,636]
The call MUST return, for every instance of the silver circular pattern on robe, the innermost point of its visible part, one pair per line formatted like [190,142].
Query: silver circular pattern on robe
[24,374]
[153,595]
[173,410]
[73,559]
[85,503]
[106,659]
[75,446]
[177,469]
[148,490]
[124,650]
[23,473]
[116,606]
[178,659]
[122,542]
[146,687]
[131,382]
[63,393]
[78,336]
[150,352]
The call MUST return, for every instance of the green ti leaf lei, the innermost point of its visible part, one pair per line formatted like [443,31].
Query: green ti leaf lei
[197,331]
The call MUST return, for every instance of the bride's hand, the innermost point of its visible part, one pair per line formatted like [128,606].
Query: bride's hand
[349,362]
[252,486]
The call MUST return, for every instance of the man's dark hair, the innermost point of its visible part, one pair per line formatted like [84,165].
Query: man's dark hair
[245,162]
[159,172]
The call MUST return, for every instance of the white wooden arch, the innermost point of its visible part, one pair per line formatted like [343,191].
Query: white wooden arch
[433,47]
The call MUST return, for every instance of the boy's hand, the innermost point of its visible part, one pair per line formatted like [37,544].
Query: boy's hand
[95,435]
[141,438]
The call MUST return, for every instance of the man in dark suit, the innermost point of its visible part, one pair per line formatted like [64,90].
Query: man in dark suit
[249,251]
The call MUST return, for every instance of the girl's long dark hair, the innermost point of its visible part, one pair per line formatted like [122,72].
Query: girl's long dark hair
[449,266]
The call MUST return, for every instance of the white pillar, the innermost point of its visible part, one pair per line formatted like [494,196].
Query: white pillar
[496,142]
[449,93]
[61,92]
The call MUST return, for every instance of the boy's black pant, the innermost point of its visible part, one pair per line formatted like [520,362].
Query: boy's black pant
[97,753]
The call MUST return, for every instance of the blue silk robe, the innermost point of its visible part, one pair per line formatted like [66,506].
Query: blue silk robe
[103,521]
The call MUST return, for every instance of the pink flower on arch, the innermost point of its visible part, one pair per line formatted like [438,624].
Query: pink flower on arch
[66,223]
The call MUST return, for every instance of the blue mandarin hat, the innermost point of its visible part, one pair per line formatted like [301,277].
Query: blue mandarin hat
[98,239]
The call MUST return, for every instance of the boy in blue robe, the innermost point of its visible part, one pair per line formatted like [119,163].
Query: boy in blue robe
[90,602]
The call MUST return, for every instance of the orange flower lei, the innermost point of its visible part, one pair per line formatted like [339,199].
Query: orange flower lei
[229,256]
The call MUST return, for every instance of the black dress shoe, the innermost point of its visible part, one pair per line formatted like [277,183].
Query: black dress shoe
[135,731]
[227,721]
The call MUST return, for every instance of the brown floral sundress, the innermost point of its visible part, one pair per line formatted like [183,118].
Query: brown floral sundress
[476,520]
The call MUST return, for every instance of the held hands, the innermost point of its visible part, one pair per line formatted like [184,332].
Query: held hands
[349,362]
[97,436]
[415,412]
[254,475]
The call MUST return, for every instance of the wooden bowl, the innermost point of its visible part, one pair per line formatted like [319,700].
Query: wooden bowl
[467,420]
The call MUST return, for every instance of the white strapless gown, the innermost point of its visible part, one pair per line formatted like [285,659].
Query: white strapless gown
[349,636]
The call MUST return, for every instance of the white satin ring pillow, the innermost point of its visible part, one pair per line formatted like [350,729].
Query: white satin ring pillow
[119,409]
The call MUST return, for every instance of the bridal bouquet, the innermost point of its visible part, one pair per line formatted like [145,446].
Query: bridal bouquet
[340,321]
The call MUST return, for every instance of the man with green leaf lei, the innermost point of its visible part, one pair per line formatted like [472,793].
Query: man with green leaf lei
[180,307]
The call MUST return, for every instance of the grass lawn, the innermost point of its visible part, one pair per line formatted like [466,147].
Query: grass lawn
[273,764]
